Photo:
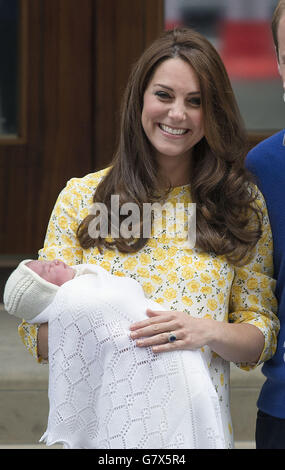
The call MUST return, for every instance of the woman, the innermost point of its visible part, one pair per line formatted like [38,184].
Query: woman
[181,141]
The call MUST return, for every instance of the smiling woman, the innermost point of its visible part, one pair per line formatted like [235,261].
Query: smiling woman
[181,141]
[172,118]
[209,156]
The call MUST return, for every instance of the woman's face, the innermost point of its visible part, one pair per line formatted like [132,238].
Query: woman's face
[172,116]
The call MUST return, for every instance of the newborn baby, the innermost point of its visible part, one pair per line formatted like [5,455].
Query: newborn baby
[104,391]
[56,271]
[33,285]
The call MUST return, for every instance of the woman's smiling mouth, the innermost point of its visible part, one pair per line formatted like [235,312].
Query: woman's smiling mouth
[172,130]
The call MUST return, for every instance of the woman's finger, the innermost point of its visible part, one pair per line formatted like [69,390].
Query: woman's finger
[163,339]
[153,340]
[155,313]
[158,317]
[154,329]
[177,345]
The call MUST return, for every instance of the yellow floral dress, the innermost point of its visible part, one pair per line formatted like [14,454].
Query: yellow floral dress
[179,278]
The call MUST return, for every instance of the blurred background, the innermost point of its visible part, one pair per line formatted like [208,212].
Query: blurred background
[240,30]
[63,68]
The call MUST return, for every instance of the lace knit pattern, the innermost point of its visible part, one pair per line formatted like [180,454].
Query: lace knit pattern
[106,393]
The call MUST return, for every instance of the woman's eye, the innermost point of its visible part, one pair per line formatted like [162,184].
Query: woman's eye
[195,101]
[162,94]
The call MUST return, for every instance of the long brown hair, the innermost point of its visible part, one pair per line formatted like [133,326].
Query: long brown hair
[219,183]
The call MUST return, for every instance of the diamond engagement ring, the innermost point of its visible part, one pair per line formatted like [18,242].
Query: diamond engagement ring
[171,337]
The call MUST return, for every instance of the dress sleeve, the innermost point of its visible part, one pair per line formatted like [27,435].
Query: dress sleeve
[60,243]
[252,297]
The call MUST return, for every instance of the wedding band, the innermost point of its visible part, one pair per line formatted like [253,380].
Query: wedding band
[171,337]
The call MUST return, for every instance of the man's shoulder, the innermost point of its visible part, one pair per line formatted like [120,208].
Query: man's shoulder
[266,161]
[273,144]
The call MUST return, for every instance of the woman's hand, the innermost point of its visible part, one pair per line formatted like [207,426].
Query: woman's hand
[236,342]
[191,333]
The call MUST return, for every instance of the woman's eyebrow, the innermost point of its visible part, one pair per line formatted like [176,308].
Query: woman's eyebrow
[171,89]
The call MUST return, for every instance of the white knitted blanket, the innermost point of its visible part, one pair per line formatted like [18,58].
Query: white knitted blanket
[105,392]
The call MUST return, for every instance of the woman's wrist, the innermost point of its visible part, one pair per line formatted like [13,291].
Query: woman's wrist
[239,342]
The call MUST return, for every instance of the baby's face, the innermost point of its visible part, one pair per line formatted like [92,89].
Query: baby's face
[56,272]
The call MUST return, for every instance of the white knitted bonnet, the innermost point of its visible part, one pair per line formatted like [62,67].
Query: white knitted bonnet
[26,294]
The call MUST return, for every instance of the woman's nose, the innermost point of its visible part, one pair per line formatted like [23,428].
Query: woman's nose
[177,112]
